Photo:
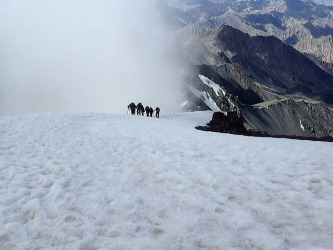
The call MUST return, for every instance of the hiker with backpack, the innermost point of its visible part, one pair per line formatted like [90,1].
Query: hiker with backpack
[151,111]
[147,110]
[140,110]
[157,112]
[132,107]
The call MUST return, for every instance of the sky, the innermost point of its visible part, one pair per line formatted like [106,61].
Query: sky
[81,55]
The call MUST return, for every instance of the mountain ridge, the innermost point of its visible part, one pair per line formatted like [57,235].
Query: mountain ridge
[256,69]
[291,21]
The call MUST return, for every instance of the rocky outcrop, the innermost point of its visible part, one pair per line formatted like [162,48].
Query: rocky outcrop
[234,123]
[321,47]
[291,117]
[229,122]
[286,116]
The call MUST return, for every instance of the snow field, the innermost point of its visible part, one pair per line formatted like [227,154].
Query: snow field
[100,181]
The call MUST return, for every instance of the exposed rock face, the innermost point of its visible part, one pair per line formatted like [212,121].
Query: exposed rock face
[276,62]
[257,68]
[277,117]
[291,117]
[321,47]
[233,123]
[229,122]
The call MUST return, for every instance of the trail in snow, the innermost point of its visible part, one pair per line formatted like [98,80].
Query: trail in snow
[99,181]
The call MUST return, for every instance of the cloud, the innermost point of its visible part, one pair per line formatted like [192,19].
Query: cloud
[82,55]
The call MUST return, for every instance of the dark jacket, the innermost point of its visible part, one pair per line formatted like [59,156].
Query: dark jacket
[140,107]
[132,106]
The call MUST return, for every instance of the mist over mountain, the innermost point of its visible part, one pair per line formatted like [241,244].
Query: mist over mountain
[83,56]
[121,181]
[69,56]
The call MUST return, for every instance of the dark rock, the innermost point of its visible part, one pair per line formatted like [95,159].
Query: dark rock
[233,123]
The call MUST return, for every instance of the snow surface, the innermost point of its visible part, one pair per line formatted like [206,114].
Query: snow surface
[100,181]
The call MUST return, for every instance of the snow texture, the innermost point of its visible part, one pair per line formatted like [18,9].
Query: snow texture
[183,104]
[206,98]
[300,123]
[217,89]
[324,2]
[100,181]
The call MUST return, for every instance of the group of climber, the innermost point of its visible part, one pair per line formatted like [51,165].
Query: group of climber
[140,110]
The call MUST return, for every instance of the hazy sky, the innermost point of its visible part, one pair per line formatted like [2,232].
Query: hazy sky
[83,55]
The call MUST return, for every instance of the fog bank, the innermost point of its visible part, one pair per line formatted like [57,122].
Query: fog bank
[82,55]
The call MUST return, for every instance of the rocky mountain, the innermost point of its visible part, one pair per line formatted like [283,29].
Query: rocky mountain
[272,85]
[264,65]
[268,60]
[279,116]
[306,25]
[291,117]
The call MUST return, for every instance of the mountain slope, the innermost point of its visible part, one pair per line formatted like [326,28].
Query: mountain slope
[100,181]
[249,60]
[291,117]
[306,25]
[258,69]
[275,62]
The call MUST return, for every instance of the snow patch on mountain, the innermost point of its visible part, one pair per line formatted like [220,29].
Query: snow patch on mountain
[302,127]
[217,89]
[206,98]
[183,104]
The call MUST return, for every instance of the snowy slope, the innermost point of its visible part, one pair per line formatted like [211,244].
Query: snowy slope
[99,181]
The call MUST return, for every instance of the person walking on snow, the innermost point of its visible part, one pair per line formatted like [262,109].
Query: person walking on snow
[151,111]
[157,112]
[132,107]
[147,110]
[140,109]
